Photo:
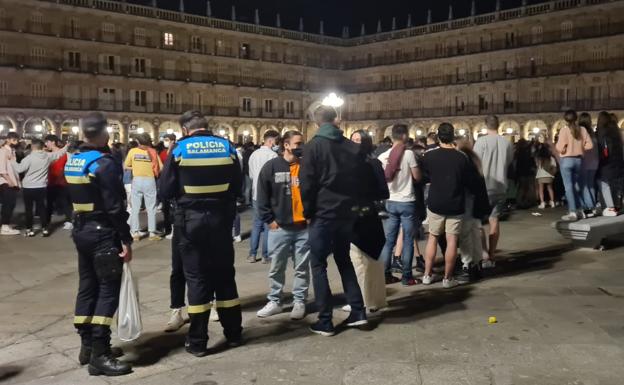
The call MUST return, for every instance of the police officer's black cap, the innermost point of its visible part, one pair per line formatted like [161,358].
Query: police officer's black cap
[193,120]
[93,124]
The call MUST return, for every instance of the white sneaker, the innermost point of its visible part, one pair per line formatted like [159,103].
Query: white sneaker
[427,279]
[487,264]
[8,230]
[609,212]
[176,321]
[346,308]
[449,283]
[542,206]
[138,235]
[68,226]
[169,236]
[238,239]
[271,308]
[552,204]
[214,315]
[298,311]
[570,217]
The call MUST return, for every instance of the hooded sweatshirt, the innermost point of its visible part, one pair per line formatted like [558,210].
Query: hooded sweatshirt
[331,175]
[36,165]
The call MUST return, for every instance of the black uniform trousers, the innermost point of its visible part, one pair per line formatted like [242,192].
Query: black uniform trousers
[99,269]
[204,238]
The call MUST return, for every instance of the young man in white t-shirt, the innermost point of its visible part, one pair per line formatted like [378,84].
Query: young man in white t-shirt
[400,170]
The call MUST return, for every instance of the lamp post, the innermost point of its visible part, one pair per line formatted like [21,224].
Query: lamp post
[333,100]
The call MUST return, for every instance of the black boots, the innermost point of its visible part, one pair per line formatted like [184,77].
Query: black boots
[103,362]
[85,354]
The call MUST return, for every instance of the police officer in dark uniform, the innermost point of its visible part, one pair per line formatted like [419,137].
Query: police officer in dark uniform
[202,175]
[102,238]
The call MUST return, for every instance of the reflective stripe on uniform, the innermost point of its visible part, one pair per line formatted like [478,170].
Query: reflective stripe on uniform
[83,207]
[99,320]
[206,161]
[82,319]
[206,189]
[77,179]
[195,309]
[228,303]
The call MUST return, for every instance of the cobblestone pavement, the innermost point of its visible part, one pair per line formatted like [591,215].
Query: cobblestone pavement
[560,321]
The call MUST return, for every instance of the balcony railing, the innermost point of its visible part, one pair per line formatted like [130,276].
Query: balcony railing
[580,32]
[125,105]
[502,108]
[531,71]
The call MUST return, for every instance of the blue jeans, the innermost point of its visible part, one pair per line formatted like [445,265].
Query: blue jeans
[607,195]
[236,230]
[257,228]
[400,214]
[333,236]
[588,180]
[284,245]
[571,175]
[143,188]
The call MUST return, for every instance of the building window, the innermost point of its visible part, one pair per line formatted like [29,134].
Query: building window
[507,102]
[108,31]
[246,105]
[36,18]
[73,60]
[139,36]
[566,30]
[245,51]
[168,39]
[509,69]
[74,28]
[2,50]
[109,63]
[196,43]
[37,55]
[38,90]
[169,100]
[536,34]
[108,95]
[459,104]
[198,101]
[268,106]
[4,88]
[290,107]
[140,98]
[483,103]
[139,65]
[599,54]
[510,39]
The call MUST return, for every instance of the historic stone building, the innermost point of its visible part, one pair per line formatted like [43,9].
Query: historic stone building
[144,66]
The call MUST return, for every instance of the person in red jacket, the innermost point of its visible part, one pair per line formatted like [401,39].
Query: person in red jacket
[57,193]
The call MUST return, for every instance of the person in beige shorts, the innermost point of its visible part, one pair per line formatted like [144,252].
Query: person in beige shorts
[440,225]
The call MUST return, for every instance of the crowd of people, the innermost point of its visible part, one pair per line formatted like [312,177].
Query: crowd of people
[365,205]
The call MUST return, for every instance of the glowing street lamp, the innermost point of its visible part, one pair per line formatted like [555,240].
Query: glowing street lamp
[1,127]
[109,129]
[169,131]
[38,128]
[510,131]
[484,131]
[222,132]
[333,100]
[245,133]
[75,129]
[462,132]
[140,130]
[536,130]
[418,132]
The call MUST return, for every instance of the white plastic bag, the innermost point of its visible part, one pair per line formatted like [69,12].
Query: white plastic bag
[129,325]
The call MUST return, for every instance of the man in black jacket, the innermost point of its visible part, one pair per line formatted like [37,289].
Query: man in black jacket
[330,184]
[280,207]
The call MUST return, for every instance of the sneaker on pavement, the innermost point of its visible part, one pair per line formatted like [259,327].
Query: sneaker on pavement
[68,226]
[542,206]
[266,260]
[196,350]
[8,230]
[271,308]
[45,233]
[252,259]
[609,212]
[346,308]
[355,320]
[570,217]
[238,239]
[420,263]
[463,276]
[298,311]
[322,330]
[390,279]
[408,282]
[427,279]
[397,265]
[29,233]
[137,235]
[552,204]
[169,236]
[487,264]
[449,283]
[155,237]
[175,321]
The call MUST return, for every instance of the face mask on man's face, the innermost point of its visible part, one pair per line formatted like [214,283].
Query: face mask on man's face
[298,152]
[166,143]
[275,148]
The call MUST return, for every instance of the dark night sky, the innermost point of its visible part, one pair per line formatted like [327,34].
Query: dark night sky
[337,13]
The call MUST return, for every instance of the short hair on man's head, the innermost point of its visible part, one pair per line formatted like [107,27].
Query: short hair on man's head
[193,120]
[13,135]
[399,130]
[325,114]
[270,134]
[144,139]
[93,124]
[570,116]
[171,137]
[133,144]
[51,138]
[36,143]
[288,135]
[446,133]
[492,122]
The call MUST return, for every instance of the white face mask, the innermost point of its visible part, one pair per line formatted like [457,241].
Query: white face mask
[166,143]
